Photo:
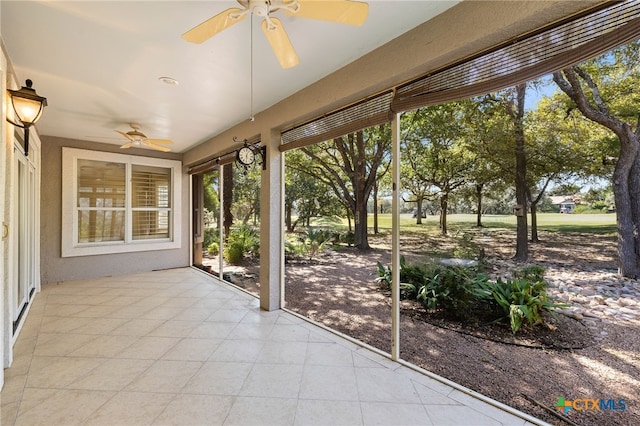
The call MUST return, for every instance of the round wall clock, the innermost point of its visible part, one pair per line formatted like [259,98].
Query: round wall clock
[245,156]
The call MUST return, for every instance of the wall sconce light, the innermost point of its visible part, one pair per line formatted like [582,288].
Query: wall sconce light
[28,108]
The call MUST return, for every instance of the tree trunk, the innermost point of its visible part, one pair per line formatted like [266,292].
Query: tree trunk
[361,195]
[534,223]
[419,211]
[288,209]
[227,196]
[375,208]
[479,205]
[626,179]
[444,201]
[627,198]
[522,244]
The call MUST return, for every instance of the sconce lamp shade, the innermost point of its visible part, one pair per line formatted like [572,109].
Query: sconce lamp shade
[27,104]
[28,107]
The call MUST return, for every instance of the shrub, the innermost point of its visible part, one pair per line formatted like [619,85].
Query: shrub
[213,248]
[348,238]
[211,235]
[242,240]
[459,292]
[517,301]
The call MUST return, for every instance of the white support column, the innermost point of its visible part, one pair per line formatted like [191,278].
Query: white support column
[395,238]
[271,218]
[220,222]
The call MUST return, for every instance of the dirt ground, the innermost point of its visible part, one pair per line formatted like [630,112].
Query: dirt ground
[338,289]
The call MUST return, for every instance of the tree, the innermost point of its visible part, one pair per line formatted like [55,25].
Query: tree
[305,195]
[437,157]
[349,165]
[605,91]
[227,197]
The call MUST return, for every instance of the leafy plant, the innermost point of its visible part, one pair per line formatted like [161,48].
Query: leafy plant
[384,276]
[519,300]
[211,235]
[348,238]
[213,248]
[242,241]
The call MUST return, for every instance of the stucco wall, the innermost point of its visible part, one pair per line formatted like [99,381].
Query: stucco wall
[55,268]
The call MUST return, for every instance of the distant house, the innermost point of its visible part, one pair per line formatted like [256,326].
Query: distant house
[564,203]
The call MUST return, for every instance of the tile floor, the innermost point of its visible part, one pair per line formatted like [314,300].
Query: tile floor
[178,347]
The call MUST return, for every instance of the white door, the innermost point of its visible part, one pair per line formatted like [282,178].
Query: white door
[24,244]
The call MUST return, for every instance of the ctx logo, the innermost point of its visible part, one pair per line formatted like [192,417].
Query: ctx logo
[585,404]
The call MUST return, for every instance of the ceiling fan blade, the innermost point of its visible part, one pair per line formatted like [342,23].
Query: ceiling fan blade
[127,145]
[280,43]
[124,134]
[160,141]
[341,11]
[158,147]
[214,25]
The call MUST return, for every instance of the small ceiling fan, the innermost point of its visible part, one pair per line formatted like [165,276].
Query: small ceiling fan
[138,139]
[342,11]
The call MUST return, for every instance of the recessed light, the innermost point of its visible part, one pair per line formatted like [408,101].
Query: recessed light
[168,80]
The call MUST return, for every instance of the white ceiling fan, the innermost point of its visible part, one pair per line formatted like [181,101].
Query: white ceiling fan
[342,11]
[138,139]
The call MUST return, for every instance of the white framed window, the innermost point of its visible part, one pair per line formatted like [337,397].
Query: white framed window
[117,203]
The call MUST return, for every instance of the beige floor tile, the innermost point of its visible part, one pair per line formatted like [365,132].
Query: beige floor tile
[323,413]
[130,408]
[161,313]
[8,413]
[459,415]
[105,346]
[58,372]
[429,396]
[387,413]
[218,378]
[50,344]
[195,410]
[25,347]
[100,326]
[152,348]
[273,380]
[384,385]
[173,328]
[64,408]
[238,351]
[329,383]
[192,350]
[289,333]
[212,330]
[250,411]
[112,375]
[165,376]
[13,389]
[328,354]
[274,352]
[32,397]
[137,327]
[227,315]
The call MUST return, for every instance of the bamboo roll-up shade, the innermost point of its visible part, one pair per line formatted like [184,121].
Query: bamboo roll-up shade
[532,57]
[370,112]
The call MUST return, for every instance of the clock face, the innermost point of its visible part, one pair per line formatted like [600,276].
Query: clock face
[246,156]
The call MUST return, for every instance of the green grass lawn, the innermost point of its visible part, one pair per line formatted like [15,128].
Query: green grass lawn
[587,223]
[555,222]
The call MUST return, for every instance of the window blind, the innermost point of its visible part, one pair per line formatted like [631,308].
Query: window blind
[522,59]
[369,112]
[531,57]
[101,192]
[150,202]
